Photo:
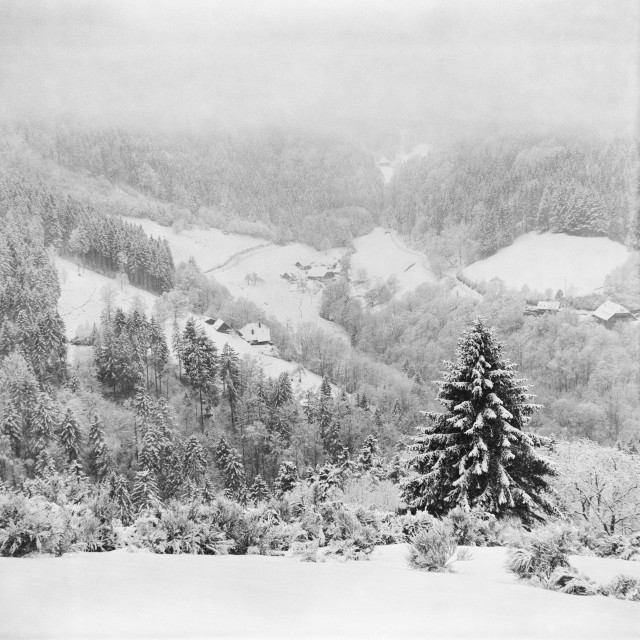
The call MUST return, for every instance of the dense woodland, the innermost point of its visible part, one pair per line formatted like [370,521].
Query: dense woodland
[154,426]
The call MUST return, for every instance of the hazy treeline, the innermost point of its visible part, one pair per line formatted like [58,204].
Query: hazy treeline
[272,182]
[479,196]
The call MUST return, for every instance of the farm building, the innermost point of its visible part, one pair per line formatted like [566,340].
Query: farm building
[219,325]
[321,273]
[304,267]
[384,162]
[544,306]
[256,333]
[609,313]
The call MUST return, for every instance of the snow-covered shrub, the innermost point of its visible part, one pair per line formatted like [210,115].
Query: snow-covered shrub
[432,549]
[568,580]
[618,546]
[412,524]
[368,491]
[34,525]
[474,528]
[180,528]
[541,552]
[623,587]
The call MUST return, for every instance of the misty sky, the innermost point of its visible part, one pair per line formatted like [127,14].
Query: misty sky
[441,67]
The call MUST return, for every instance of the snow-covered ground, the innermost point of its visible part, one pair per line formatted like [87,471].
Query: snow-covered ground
[553,261]
[290,302]
[381,254]
[210,248]
[140,595]
[82,300]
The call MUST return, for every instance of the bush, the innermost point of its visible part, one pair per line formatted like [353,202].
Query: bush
[541,552]
[180,528]
[618,546]
[624,588]
[474,528]
[433,549]
[567,580]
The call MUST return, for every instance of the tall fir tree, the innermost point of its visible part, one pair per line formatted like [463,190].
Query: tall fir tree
[70,436]
[477,453]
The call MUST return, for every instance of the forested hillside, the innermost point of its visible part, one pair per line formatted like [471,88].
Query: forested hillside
[273,183]
[478,196]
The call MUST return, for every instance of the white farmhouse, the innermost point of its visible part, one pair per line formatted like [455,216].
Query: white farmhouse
[256,333]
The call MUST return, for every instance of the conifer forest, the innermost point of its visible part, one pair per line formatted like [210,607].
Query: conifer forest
[344,284]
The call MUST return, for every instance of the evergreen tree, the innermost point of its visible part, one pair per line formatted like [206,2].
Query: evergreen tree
[230,376]
[12,427]
[369,455]
[44,424]
[145,490]
[119,493]
[230,464]
[70,436]
[195,461]
[100,460]
[476,453]
[287,478]
[258,491]
[150,451]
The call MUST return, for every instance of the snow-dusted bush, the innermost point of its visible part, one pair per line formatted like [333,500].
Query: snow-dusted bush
[180,528]
[568,580]
[474,528]
[433,549]
[541,552]
[623,587]
[618,546]
[368,491]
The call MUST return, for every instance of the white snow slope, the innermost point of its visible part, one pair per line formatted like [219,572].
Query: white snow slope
[210,248]
[381,254]
[553,261]
[82,300]
[129,595]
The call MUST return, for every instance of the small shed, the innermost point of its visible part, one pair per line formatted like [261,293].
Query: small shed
[219,325]
[256,333]
[610,313]
[304,267]
[321,273]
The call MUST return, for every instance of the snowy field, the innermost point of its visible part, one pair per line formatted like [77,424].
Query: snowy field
[82,301]
[382,255]
[140,595]
[288,301]
[210,248]
[553,261]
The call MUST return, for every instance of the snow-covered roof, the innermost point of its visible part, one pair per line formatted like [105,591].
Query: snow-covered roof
[549,305]
[319,272]
[220,324]
[608,309]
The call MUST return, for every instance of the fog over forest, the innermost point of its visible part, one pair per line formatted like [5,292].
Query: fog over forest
[438,68]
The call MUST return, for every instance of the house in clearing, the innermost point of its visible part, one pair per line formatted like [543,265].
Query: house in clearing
[321,273]
[544,306]
[304,267]
[256,333]
[610,313]
[384,162]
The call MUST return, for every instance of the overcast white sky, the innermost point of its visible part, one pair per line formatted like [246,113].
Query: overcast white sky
[451,66]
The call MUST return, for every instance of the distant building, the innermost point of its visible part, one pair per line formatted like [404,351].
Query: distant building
[384,162]
[304,267]
[321,273]
[543,307]
[256,333]
[609,313]
[219,325]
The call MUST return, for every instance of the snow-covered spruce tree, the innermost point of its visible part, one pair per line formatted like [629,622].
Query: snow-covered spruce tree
[70,436]
[195,459]
[369,455]
[287,478]
[119,493]
[476,453]
[100,461]
[258,491]
[145,490]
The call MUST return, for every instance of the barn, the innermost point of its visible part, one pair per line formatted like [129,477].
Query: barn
[610,313]
[321,273]
[219,325]
[256,333]
[544,306]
